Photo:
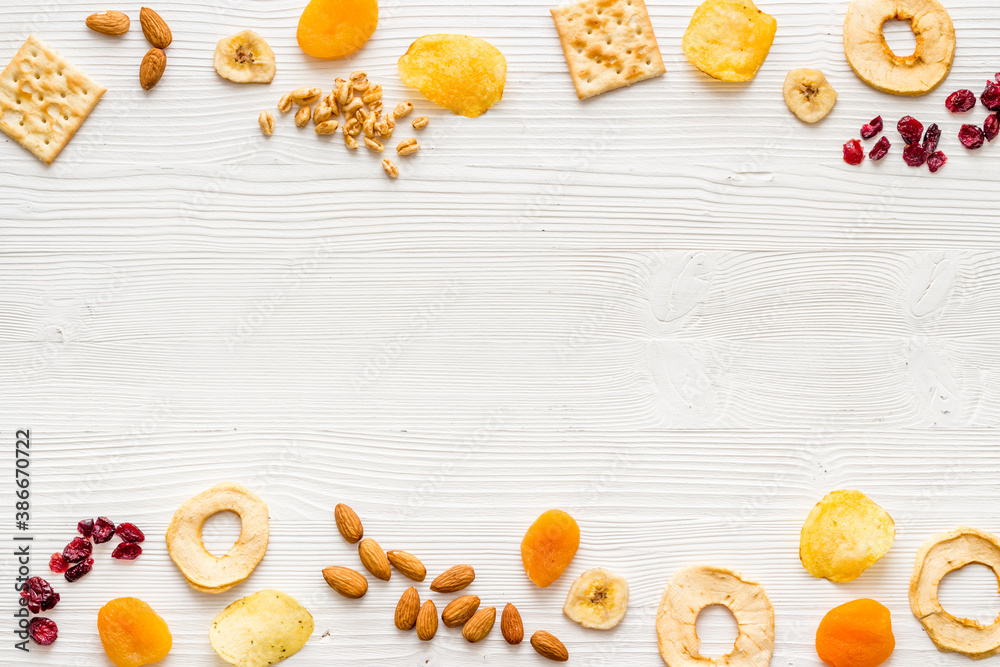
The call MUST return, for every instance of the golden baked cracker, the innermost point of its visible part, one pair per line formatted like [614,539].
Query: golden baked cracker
[608,44]
[44,99]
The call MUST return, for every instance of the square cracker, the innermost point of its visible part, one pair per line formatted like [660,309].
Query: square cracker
[608,44]
[44,99]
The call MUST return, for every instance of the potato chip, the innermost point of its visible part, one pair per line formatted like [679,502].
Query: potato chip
[261,629]
[729,39]
[844,534]
[462,73]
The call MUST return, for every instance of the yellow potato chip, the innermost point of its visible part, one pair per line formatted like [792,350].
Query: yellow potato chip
[462,73]
[261,629]
[844,534]
[729,39]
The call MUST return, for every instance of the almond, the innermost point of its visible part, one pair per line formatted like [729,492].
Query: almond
[427,621]
[408,565]
[347,519]
[547,646]
[511,626]
[407,609]
[109,23]
[374,559]
[453,579]
[152,67]
[479,626]
[460,610]
[349,583]
[155,29]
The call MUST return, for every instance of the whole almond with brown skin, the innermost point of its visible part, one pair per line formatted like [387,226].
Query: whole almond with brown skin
[349,583]
[347,520]
[109,23]
[459,610]
[547,646]
[407,564]
[152,67]
[407,609]
[511,625]
[427,621]
[155,29]
[479,626]
[374,559]
[453,579]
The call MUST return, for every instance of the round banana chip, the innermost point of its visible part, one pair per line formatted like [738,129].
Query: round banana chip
[698,586]
[808,94]
[245,58]
[598,599]
[875,63]
[205,572]
[844,535]
[937,557]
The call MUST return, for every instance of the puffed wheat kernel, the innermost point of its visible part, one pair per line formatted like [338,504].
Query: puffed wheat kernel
[374,144]
[303,115]
[327,127]
[408,147]
[266,121]
[285,103]
[402,109]
[420,123]
[390,168]
[306,96]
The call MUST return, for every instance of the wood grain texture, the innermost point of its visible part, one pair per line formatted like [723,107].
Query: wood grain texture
[671,310]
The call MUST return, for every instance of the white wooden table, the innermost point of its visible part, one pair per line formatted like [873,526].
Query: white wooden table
[672,310]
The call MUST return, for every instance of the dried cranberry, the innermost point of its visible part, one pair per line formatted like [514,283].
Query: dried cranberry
[991,127]
[79,570]
[57,563]
[991,96]
[936,160]
[42,630]
[971,137]
[127,551]
[79,549]
[85,527]
[914,155]
[853,152]
[869,130]
[104,530]
[911,129]
[960,101]
[931,138]
[129,532]
[880,149]
[39,595]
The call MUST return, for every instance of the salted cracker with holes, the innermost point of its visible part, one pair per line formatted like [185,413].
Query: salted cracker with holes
[44,99]
[608,44]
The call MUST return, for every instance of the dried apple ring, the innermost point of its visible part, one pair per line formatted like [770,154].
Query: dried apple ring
[937,557]
[698,586]
[204,571]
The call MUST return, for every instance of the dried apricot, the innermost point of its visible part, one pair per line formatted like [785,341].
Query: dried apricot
[549,546]
[132,633]
[336,28]
[461,73]
[856,634]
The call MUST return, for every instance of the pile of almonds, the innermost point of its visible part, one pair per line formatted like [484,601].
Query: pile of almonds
[361,103]
[156,30]
[465,611]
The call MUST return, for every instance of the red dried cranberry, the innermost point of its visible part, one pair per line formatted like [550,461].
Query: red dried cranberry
[931,138]
[79,549]
[960,101]
[129,532]
[104,530]
[971,137]
[991,96]
[127,551]
[936,160]
[85,527]
[42,630]
[911,129]
[991,127]
[853,152]
[39,595]
[79,570]
[880,149]
[914,155]
[57,563]
[869,130]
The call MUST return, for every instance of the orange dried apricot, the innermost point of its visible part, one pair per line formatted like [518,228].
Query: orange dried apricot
[336,28]
[461,73]
[549,546]
[132,633]
[856,634]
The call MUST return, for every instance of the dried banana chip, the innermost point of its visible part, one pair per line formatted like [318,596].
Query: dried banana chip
[462,73]
[729,39]
[844,534]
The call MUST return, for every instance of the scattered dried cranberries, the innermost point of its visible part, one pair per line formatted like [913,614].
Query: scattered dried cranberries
[911,129]
[79,570]
[991,96]
[39,595]
[79,549]
[85,527]
[971,137]
[914,155]
[853,152]
[129,532]
[880,149]
[42,630]
[869,130]
[104,530]
[991,127]
[57,563]
[960,101]
[931,138]
[936,160]
[127,551]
